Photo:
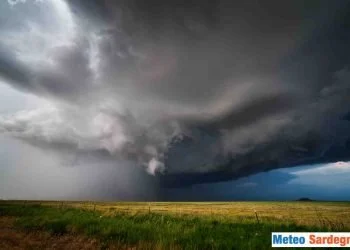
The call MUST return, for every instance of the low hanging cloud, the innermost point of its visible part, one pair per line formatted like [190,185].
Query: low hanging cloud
[180,90]
[339,167]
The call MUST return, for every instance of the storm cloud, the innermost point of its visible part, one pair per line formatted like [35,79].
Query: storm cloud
[192,91]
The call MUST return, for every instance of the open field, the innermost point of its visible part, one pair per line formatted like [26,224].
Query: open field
[313,213]
[162,225]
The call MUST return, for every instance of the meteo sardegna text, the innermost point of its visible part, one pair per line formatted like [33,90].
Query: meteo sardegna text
[294,239]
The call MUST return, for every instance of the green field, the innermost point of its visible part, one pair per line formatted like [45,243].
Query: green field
[165,225]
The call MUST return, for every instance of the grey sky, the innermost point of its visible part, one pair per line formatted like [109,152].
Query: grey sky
[173,90]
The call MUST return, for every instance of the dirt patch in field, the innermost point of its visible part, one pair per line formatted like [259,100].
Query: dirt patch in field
[11,238]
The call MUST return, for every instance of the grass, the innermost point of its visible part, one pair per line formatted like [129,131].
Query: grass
[151,228]
[322,214]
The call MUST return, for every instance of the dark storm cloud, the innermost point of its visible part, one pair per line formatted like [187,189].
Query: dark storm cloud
[12,70]
[317,182]
[199,90]
[261,186]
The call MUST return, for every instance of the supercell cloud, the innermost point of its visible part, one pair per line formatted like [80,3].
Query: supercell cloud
[191,91]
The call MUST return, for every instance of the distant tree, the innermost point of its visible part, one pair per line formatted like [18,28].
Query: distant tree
[304,199]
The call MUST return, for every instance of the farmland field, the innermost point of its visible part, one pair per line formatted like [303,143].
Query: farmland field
[161,225]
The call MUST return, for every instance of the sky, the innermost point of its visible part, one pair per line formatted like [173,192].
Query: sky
[174,100]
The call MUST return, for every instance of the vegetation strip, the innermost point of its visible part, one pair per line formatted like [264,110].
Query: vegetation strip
[154,230]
